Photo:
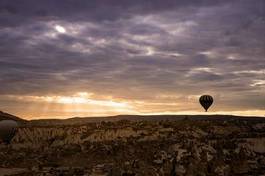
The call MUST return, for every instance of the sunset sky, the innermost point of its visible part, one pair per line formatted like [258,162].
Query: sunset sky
[65,58]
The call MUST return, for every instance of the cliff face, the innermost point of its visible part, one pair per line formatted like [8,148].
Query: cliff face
[140,148]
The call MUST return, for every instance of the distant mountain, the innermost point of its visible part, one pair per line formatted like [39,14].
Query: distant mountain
[84,120]
[6,116]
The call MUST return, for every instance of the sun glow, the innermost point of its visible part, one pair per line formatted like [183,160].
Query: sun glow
[60,29]
[81,98]
[84,104]
[78,104]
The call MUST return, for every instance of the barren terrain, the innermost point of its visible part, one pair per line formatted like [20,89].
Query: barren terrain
[158,145]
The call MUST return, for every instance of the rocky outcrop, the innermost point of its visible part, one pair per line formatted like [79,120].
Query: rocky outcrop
[178,148]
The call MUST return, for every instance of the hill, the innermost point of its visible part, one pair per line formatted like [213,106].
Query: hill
[84,120]
[6,116]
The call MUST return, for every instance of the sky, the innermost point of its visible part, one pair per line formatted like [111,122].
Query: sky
[68,58]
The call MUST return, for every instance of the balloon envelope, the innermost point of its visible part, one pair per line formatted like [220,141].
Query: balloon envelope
[8,130]
[206,101]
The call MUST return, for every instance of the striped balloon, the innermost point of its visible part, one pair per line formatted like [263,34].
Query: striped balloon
[206,101]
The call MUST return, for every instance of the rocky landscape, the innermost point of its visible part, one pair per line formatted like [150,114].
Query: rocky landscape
[186,146]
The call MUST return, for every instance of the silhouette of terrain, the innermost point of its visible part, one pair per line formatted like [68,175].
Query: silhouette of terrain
[6,116]
[83,120]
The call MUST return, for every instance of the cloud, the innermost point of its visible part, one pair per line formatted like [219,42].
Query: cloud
[134,50]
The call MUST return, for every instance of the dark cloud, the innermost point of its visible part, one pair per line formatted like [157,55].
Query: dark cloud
[134,49]
[17,12]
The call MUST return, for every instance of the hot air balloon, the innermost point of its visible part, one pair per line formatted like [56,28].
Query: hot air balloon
[8,129]
[206,101]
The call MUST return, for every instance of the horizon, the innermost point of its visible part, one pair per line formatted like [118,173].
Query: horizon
[250,115]
[111,57]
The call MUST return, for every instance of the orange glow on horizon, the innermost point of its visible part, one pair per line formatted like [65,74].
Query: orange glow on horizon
[83,104]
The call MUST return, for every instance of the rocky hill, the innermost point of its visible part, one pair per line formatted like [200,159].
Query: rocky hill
[182,147]
[6,116]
